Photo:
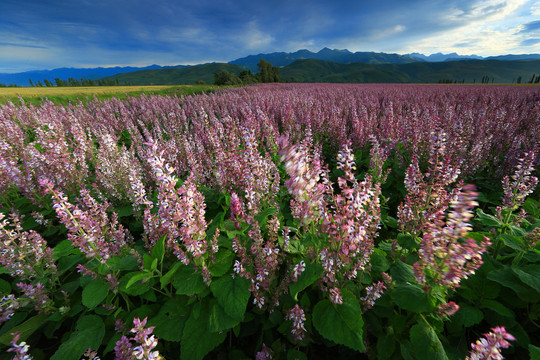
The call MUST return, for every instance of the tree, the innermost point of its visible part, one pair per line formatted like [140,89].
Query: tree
[268,73]
[226,78]
[247,77]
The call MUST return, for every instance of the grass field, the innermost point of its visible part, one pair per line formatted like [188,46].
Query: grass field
[63,95]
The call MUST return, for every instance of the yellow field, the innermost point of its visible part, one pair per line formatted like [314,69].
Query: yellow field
[40,92]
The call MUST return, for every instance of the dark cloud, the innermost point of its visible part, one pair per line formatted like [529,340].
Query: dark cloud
[105,32]
[530,42]
[532,26]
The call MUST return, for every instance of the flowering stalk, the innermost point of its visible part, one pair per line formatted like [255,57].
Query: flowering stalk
[489,347]
[20,349]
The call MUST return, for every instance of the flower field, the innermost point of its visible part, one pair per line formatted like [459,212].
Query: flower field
[283,221]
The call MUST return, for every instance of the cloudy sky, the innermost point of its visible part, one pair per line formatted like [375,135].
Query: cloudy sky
[47,34]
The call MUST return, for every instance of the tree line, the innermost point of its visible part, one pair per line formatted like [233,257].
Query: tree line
[267,74]
[74,82]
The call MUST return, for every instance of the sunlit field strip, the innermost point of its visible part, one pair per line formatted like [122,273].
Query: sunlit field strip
[13,93]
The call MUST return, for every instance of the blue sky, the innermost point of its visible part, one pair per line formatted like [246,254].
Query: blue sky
[45,34]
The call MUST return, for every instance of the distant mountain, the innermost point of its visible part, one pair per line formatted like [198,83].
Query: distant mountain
[468,71]
[281,59]
[455,57]
[175,76]
[22,79]
[444,57]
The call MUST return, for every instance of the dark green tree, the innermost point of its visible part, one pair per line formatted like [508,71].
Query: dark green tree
[226,78]
[268,73]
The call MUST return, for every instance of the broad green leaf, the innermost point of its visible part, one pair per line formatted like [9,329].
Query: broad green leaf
[88,334]
[158,251]
[65,263]
[94,293]
[402,273]
[510,279]
[138,277]
[497,307]
[223,261]
[196,338]
[426,344]
[412,298]
[467,316]
[63,248]
[188,281]
[219,320]
[530,275]
[407,241]
[124,211]
[166,279]
[293,354]
[136,287]
[532,207]
[487,220]
[378,261]
[514,242]
[232,294]
[5,287]
[311,273]
[385,347]
[170,320]
[26,329]
[340,323]
[534,352]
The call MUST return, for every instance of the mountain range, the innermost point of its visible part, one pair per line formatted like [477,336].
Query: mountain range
[323,66]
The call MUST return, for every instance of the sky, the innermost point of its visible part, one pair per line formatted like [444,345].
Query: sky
[48,34]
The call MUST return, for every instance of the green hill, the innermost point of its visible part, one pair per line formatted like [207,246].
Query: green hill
[176,76]
[468,71]
[312,70]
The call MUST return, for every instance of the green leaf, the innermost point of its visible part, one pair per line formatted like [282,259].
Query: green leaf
[385,347]
[26,329]
[170,320]
[232,294]
[188,281]
[63,248]
[467,316]
[407,241]
[5,287]
[514,242]
[124,211]
[135,288]
[293,354]
[94,293]
[412,298]
[196,341]
[158,251]
[426,344]
[530,275]
[510,279]
[138,277]
[497,307]
[340,323]
[378,261]
[223,261]
[88,334]
[488,220]
[402,273]
[219,320]
[534,352]
[532,207]
[166,279]
[311,273]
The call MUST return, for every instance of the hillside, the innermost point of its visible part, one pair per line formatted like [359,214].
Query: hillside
[426,72]
[175,76]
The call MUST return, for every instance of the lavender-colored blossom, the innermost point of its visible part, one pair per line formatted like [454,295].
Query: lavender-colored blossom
[296,314]
[489,347]
[20,349]
[373,292]
[522,183]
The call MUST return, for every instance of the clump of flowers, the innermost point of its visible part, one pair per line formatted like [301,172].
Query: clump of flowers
[89,227]
[24,254]
[373,292]
[180,215]
[427,194]
[489,347]
[522,183]
[296,314]
[125,350]
[20,349]
[446,255]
